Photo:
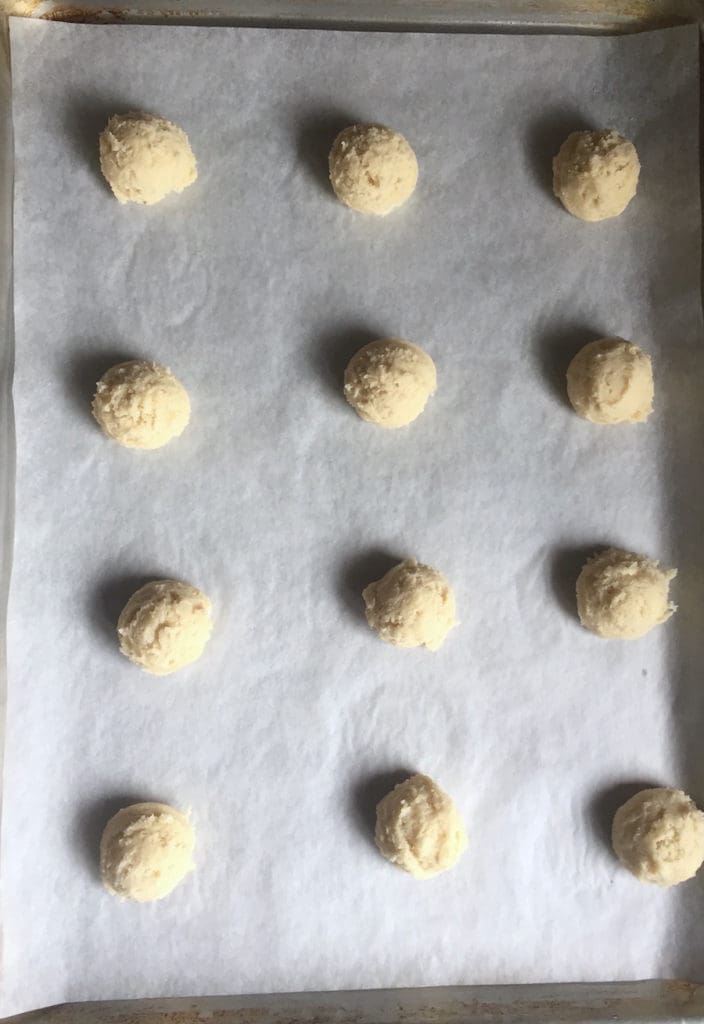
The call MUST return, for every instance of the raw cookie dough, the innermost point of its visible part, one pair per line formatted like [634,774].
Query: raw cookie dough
[165,626]
[411,606]
[611,381]
[622,596]
[372,169]
[659,836]
[145,851]
[141,405]
[419,829]
[389,381]
[595,174]
[144,157]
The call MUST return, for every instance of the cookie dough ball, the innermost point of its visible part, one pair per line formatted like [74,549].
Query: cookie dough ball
[165,626]
[595,174]
[145,851]
[659,836]
[622,596]
[372,169]
[419,829]
[411,606]
[611,381]
[141,405]
[144,157]
[389,381]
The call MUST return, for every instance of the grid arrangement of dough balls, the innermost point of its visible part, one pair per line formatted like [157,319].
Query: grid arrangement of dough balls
[147,849]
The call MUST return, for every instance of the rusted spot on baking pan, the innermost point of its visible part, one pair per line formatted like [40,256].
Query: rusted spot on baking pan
[85,16]
[110,15]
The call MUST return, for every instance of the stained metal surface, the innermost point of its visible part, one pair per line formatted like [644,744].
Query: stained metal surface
[437,15]
[629,1003]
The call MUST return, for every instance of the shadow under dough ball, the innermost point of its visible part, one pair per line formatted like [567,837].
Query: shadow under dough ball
[595,174]
[165,626]
[372,168]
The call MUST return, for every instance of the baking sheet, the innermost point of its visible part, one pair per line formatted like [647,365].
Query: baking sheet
[255,286]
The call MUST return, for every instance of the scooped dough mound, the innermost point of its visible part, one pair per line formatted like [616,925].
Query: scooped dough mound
[622,596]
[659,836]
[145,851]
[165,626]
[419,828]
[141,405]
[411,606]
[389,381]
[611,381]
[595,174]
[372,169]
[144,157]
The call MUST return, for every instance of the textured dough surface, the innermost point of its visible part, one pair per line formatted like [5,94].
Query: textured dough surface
[144,157]
[389,381]
[419,829]
[412,605]
[659,836]
[141,405]
[595,174]
[165,626]
[622,596]
[611,381]
[145,851]
[372,169]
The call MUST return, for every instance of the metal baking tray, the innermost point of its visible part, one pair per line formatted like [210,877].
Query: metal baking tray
[642,1001]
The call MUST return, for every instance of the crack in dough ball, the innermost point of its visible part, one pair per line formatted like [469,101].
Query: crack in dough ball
[595,174]
[411,606]
[658,835]
[372,169]
[622,596]
[388,382]
[419,829]
[145,851]
[611,381]
[141,405]
[144,157]
[165,626]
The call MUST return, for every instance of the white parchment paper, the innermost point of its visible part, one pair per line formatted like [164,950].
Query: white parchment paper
[255,287]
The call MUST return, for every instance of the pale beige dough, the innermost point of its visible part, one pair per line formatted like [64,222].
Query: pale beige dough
[144,157]
[595,174]
[372,169]
[389,381]
[419,828]
[659,836]
[145,851]
[611,381]
[622,596]
[165,626]
[412,605]
[141,405]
